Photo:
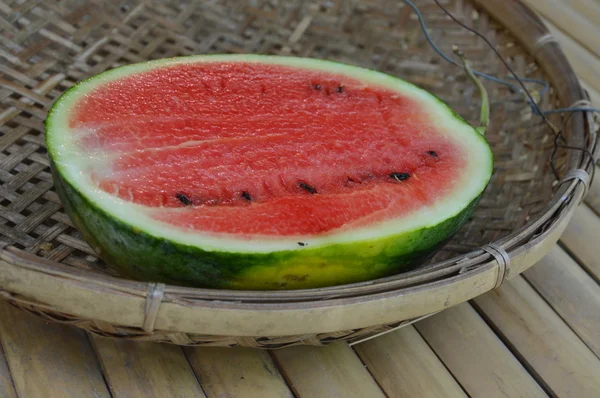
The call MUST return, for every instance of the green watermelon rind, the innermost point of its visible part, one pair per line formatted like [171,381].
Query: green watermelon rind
[143,255]
[123,246]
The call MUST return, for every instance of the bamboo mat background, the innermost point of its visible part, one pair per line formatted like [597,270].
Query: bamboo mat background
[538,335]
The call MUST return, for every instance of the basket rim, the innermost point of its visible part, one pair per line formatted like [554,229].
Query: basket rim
[24,277]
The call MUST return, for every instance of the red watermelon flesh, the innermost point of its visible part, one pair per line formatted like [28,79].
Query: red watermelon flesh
[261,149]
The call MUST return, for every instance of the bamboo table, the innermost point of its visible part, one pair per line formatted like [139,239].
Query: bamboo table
[538,335]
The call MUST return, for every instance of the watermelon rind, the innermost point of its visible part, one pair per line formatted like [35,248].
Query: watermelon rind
[140,247]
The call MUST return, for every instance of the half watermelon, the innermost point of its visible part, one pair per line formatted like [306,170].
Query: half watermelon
[260,172]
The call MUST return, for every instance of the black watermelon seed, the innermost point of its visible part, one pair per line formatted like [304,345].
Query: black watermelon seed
[433,153]
[307,187]
[340,89]
[246,196]
[301,244]
[317,86]
[400,176]
[183,199]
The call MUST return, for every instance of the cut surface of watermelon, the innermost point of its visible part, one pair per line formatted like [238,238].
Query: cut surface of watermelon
[262,172]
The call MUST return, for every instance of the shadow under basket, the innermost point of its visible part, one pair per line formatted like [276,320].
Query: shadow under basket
[46,268]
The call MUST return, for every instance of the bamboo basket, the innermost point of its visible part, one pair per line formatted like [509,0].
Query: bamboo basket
[47,269]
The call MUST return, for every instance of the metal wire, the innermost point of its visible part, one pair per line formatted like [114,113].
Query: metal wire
[559,138]
[514,76]
[477,73]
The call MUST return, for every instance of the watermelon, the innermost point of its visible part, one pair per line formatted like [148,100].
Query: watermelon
[262,172]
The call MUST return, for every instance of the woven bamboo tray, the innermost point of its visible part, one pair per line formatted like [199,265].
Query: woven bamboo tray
[46,268]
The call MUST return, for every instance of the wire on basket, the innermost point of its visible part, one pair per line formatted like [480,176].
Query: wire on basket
[453,62]
[559,138]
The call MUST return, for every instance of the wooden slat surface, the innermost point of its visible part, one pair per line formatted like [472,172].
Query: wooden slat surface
[146,370]
[49,360]
[572,293]
[542,339]
[333,371]
[405,366]
[7,387]
[593,197]
[588,9]
[581,238]
[237,372]
[476,356]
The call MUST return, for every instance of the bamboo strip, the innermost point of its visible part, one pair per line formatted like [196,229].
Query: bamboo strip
[333,372]
[237,372]
[581,239]
[542,340]
[7,386]
[136,369]
[52,355]
[405,366]
[476,356]
[571,293]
